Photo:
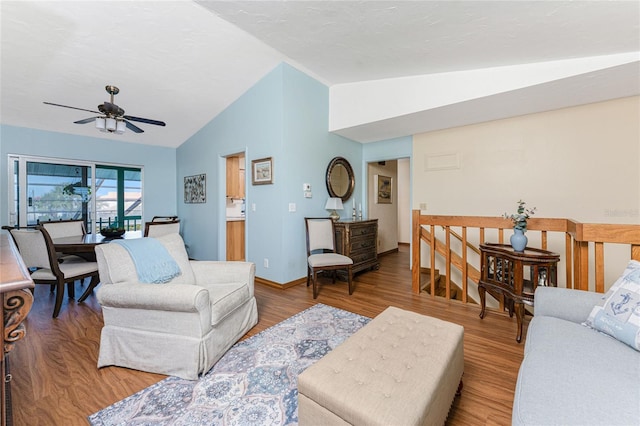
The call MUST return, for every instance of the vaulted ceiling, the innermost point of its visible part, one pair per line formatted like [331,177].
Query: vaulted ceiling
[184,62]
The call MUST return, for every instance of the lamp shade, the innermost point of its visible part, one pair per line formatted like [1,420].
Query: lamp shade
[120,126]
[111,124]
[334,204]
[100,124]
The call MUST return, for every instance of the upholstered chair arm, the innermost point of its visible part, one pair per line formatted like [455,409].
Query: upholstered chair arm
[161,297]
[567,304]
[219,272]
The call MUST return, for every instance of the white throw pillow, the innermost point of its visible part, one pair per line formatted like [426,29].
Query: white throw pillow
[619,313]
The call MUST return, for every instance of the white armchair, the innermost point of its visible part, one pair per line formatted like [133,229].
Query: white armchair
[179,328]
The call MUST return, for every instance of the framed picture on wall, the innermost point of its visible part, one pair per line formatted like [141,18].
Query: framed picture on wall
[384,190]
[262,171]
[195,189]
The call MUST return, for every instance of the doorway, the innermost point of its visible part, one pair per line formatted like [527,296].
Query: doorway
[235,206]
[392,206]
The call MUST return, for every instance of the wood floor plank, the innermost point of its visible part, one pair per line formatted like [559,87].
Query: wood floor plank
[56,381]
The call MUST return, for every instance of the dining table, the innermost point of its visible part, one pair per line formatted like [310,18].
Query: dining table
[85,244]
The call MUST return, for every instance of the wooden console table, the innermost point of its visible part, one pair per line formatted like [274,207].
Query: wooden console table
[516,275]
[17,300]
[358,239]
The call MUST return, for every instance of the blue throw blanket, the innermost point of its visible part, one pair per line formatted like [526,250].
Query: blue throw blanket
[153,262]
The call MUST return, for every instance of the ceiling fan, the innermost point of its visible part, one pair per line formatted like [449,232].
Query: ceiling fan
[113,119]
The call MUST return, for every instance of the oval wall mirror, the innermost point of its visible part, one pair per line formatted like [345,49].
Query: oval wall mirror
[340,179]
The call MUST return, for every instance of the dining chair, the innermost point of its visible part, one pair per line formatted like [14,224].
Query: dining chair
[160,228]
[321,252]
[65,228]
[164,219]
[37,251]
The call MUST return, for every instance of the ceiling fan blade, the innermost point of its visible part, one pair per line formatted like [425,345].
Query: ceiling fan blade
[145,120]
[86,120]
[133,127]
[66,106]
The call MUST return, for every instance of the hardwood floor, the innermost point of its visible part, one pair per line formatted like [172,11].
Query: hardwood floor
[56,382]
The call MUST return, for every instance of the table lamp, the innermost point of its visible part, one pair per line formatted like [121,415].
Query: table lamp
[334,204]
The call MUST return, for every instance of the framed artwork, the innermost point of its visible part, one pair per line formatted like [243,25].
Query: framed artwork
[262,171]
[384,190]
[195,189]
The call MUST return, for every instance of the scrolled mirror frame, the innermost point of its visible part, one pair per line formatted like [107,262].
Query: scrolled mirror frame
[352,180]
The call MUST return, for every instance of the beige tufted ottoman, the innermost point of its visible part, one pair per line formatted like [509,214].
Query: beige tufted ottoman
[400,369]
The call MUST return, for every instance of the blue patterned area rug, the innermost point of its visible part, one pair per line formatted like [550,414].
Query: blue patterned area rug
[254,383]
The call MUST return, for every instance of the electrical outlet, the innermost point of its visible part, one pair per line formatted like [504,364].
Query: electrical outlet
[307,194]
[266,262]
[292,207]
[253,207]
[423,206]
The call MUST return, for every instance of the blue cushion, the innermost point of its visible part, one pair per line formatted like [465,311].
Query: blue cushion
[618,315]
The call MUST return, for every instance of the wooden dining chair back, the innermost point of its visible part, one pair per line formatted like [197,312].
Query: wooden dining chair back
[37,251]
[160,228]
[165,219]
[321,252]
[64,228]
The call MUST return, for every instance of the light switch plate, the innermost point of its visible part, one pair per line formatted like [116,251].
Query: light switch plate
[292,207]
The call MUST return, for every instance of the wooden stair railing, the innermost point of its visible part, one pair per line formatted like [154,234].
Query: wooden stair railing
[578,238]
[426,285]
[459,238]
[452,259]
[491,292]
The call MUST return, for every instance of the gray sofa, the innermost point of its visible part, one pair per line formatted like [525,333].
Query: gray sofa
[181,327]
[572,374]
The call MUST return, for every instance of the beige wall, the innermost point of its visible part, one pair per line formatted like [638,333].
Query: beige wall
[582,163]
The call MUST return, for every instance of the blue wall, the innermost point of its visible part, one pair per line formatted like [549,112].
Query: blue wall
[159,163]
[284,116]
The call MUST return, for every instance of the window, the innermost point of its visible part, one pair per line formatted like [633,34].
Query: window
[43,189]
[119,196]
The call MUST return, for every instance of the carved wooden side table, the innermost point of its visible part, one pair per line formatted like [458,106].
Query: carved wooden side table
[516,275]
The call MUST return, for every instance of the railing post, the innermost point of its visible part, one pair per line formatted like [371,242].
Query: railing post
[465,265]
[415,252]
[568,258]
[447,267]
[581,266]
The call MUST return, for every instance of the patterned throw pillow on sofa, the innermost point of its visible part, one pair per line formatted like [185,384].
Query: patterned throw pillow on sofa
[619,314]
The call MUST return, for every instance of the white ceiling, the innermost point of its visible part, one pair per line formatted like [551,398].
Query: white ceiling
[184,62]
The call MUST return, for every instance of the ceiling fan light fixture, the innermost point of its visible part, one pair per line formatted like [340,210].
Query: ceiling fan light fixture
[100,124]
[111,117]
[120,126]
